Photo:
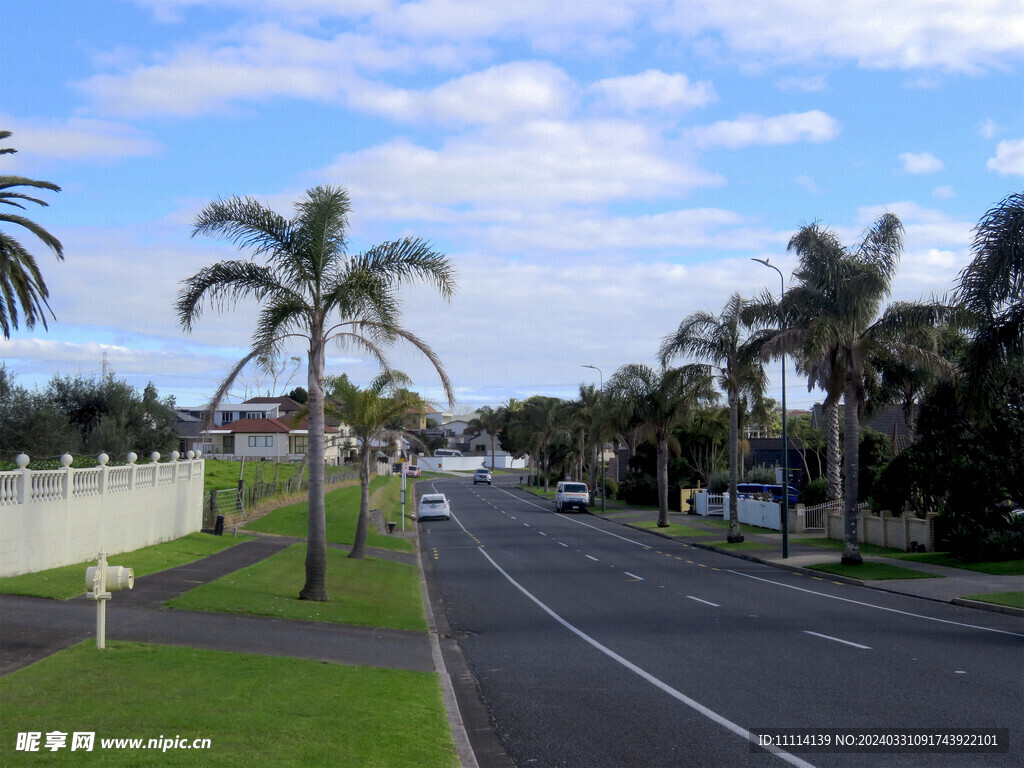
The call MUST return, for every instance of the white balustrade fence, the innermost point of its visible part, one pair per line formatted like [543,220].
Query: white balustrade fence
[55,517]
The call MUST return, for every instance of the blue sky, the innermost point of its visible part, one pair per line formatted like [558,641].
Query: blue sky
[595,170]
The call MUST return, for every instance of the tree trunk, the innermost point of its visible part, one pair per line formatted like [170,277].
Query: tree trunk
[662,481]
[359,543]
[316,532]
[735,535]
[851,465]
[833,463]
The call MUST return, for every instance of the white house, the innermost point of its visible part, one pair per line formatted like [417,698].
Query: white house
[269,440]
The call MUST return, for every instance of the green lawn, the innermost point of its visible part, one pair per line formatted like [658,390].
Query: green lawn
[673,529]
[869,571]
[342,511]
[997,567]
[257,711]
[69,580]
[744,528]
[739,546]
[369,592]
[220,474]
[1012,599]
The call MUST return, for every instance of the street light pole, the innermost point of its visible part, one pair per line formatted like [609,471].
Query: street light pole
[785,444]
[601,375]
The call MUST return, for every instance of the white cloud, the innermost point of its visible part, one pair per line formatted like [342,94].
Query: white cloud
[516,168]
[77,139]
[654,89]
[920,162]
[806,182]
[988,128]
[946,35]
[514,91]
[1009,159]
[754,130]
[813,84]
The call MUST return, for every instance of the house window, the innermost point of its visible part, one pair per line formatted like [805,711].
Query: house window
[229,443]
[261,441]
[299,444]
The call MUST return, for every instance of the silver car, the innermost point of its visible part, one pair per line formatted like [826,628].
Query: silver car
[433,505]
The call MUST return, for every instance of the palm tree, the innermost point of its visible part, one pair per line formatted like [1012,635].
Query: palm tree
[992,290]
[311,289]
[719,341]
[831,320]
[489,420]
[543,417]
[367,411]
[661,401]
[21,282]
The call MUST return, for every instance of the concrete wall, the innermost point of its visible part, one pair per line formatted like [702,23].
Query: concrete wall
[50,518]
[467,463]
[888,531]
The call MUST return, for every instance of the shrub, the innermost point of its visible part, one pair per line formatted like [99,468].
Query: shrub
[816,492]
[639,489]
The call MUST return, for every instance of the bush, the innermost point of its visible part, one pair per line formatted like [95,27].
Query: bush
[816,492]
[639,489]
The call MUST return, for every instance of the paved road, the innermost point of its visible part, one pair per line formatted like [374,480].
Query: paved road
[594,645]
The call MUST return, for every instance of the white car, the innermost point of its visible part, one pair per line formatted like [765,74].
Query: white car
[433,505]
[571,496]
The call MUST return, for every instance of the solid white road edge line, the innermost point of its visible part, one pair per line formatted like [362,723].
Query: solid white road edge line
[677,695]
[878,607]
[838,640]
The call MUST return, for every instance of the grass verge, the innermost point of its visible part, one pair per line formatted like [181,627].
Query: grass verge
[309,713]
[342,512]
[69,580]
[370,592]
[673,529]
[738,546]
[995,567]
[1011,599]
[869,571]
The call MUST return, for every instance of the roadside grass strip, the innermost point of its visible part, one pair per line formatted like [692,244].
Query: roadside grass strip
[342,513]
[256,711]
[1011,599]
[69,580]
[673,529]
[369,592]
[744,527]
[869,571]
[740,546]
[994,567]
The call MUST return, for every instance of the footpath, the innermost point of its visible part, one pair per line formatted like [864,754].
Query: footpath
[953,586]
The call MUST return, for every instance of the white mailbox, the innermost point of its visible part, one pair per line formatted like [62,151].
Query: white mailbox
[102,579]
[118,578]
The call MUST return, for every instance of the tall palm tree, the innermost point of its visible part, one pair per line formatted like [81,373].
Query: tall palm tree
[543,417]
[21,282]
[311,289]
[662,400]
[992,289]
[833,321]
[720,341]
[489,420]
[367,411]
